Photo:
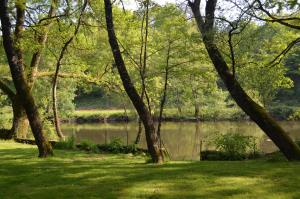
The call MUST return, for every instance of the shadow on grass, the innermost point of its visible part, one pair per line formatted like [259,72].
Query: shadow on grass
[72,174]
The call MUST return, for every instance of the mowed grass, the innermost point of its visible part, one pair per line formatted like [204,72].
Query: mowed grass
[74,174]
[103,113]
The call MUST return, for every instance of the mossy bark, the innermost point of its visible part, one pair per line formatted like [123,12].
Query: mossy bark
[20,124]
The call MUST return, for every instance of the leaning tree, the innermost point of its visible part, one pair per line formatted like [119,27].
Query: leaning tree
[15,57]
[206,26]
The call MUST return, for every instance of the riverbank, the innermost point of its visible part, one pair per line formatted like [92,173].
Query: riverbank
[75,174]
[280,113]
[170,115]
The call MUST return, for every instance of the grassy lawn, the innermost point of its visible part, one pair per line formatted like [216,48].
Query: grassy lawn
[95,112]
[72,174]
[205,114]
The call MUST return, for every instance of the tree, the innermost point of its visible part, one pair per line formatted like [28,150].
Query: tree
[58,66]
[256,112]
[15,60]
[20,121]
[151,135]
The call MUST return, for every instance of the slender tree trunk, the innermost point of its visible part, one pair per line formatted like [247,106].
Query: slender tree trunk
[143,66]
[196,103]
[256,112]
[163,99]
[144,114]
[54,106]
[197,111]
[139,134]
[55,78]
[178,103]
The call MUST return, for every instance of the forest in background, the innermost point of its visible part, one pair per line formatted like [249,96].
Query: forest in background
[89,80]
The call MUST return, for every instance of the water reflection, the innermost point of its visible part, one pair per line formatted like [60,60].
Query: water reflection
[183,140]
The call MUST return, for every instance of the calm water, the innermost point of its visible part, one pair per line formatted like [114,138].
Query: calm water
[183,140]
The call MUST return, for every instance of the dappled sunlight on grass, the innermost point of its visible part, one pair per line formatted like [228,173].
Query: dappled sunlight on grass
[75,174]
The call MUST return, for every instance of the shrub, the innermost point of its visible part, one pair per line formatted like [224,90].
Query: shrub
[282,112]
[295,115]
[116,146]
[88,145]
[234,146]
[69,143]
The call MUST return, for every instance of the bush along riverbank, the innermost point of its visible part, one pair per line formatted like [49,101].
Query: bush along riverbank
[228,147]
[115,146]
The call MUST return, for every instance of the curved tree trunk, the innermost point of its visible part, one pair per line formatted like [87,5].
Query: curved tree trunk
[144,114]
[15,61]
[58,66]
[54,106]
[255,111]
[20,122]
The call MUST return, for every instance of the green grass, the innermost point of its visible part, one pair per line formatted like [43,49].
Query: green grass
[187,113]
[102,113]
[74,174]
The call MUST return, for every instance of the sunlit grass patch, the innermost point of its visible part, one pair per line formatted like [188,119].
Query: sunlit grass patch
[76,174]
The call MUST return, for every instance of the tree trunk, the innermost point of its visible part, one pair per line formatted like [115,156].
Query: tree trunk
[57,69]
[54,107]
[20,122]
[139,134]
[17,72]
[164,96]
[178,103]
[197,111]
[6,134]
[144,114]
[256,112]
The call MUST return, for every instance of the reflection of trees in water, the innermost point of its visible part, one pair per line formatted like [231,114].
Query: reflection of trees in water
[182,140]
[197,141]
[266,145]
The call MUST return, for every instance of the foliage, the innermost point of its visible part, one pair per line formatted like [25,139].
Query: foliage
[5,117]
[283,112]
[295,115]
[235,146]
[115,146]
[259,74]
[69,143]
[88,145]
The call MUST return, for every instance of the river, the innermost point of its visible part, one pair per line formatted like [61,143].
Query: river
[183,140]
